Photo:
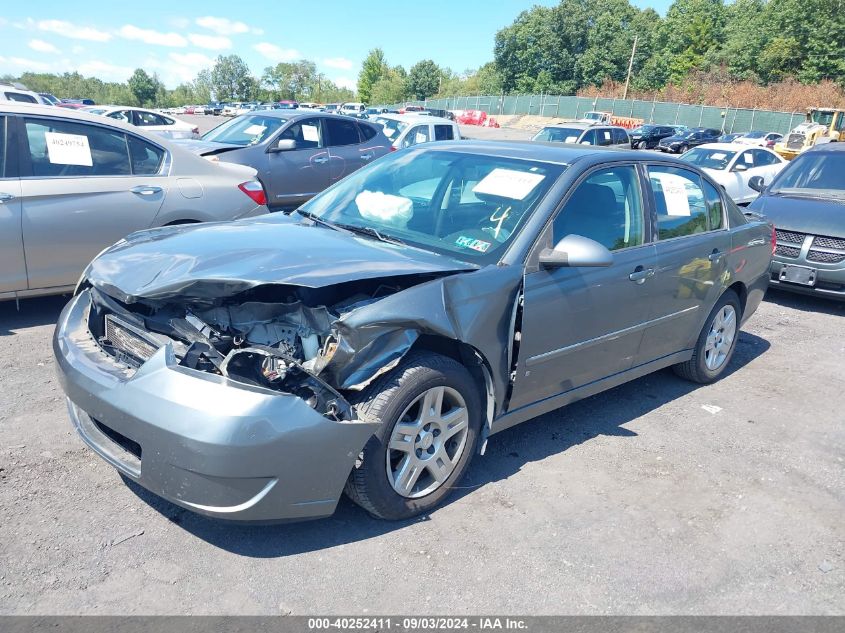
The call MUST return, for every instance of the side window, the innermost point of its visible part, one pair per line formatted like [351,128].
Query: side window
[342,132]
[146,158]
[121,115]
[2,147]
[149,118]
[746,159]
[307,133]
[368,131]
[681,208]
[443,133]
[715,208]
[63,148]
[620,136]
[762,159]
[22,98]
[167,121]
[588,138]
[606,207]
[417,135]
[605,136]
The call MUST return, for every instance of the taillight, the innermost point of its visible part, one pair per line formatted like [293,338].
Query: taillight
[254,190]
[195,130]
[774,240]
[393,148]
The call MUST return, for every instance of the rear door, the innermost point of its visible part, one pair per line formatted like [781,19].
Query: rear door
[346,151]
[444,132]
[299,174]
[12,263]
[79,194]
[693,245]
[583,324]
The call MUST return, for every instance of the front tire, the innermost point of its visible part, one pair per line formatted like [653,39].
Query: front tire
[716,342]
[430,414]
[642,145]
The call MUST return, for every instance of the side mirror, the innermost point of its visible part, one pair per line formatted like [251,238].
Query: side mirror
[757,183]
[575,251]
[740,167]
[284,145]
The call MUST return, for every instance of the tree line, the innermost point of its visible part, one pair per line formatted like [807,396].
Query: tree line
[230,79]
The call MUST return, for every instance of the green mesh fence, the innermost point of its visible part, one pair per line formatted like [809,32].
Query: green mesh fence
[571,107]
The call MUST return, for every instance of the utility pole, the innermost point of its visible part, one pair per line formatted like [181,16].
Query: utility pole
[630,66]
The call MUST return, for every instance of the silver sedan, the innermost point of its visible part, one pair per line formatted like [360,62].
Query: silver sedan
[73,183]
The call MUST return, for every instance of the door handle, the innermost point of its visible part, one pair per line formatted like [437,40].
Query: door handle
[715,256]
[321,159]
[6,196]
[366,156]
[145,190]
[640,274]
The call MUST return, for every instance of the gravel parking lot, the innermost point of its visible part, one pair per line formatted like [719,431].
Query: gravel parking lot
[658,497]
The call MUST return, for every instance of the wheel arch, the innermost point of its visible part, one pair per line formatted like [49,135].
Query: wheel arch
[742,292]
[475,363]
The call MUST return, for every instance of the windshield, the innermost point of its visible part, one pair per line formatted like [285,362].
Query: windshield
[709,158]
[245,130]
[820,174]
[643,129]
[823,118]
[593,116]
[462,205]
[95,110]
[558,135]
[392,128]
[754,135]
[684,133]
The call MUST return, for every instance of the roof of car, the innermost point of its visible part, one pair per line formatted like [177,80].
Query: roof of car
[727,147]
[414,118]
[558,153]
[827,147]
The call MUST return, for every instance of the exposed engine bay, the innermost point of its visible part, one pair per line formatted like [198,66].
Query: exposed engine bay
[276,337]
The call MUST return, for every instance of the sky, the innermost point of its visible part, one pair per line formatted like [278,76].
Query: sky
[178,39]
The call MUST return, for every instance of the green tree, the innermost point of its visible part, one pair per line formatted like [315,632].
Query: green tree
[693,29]
[202,86]
[293,80]
[231,79]
[373,69]
[390,89]
[143,87]
[423,80]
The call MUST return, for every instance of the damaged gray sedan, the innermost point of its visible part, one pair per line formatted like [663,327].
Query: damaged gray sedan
[373,340]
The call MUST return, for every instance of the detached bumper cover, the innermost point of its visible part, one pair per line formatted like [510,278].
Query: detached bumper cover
[201,441]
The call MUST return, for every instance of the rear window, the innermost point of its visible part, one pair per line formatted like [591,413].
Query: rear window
[22,98]
[558,135]
[342,132]
[443,133]
[368,131]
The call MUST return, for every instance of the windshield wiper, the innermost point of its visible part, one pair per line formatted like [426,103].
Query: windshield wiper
[318,220]
[370,231]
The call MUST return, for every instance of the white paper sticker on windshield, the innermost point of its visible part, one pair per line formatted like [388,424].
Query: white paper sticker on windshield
[748,158]
[68,149]
[508,183]
[571,139]
[384,208]
[311,133]
[420,137]
[718,155]
[674,192]
[254,130]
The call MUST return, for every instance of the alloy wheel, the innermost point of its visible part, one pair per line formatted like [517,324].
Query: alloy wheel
[427,442]
[720,338]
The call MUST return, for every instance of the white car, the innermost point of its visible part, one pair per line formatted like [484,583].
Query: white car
[405,130]
[18,93]
[151,121]
[351,107]
[732,166]
[758,138]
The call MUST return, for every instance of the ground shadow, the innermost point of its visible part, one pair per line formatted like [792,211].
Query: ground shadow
[507,453]
[30,313]
[805,303]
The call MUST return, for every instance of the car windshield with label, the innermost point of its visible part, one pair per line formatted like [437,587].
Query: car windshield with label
[814,175]
[392,128]
[558,135]
[462,205]
[245,130]
[708,158]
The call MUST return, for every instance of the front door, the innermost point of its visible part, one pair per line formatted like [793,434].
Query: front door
[582,324]
[299,174]
[693,245]
[12,263]
[83,187]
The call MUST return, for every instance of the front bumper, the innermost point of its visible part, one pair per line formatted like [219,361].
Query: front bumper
[829,279]
[202,441]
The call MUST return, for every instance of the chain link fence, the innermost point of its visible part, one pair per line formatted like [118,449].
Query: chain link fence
[662,112]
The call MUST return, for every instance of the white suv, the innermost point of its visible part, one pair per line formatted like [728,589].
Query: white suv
[20,94]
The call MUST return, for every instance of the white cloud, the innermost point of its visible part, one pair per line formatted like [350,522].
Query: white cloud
[68,29]
[185,66]
[211,42]
[179,23]
[345,82]
[42,47]
[104,70]
[338,62]
[223,26]
[76,50]
[3,21]
[148,36]
[276,53]
[18,65]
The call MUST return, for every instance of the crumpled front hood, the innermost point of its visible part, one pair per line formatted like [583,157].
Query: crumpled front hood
[803,215]
[209,261]
[201,148]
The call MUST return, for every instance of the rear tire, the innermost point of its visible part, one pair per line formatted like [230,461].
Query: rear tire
[716,342]
[430,413]
[683,149]
[642,145]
